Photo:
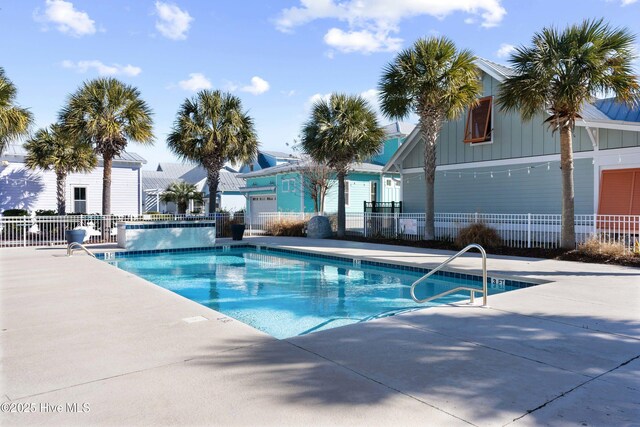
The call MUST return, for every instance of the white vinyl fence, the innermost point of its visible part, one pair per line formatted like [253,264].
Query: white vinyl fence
[50,230]
[516,230]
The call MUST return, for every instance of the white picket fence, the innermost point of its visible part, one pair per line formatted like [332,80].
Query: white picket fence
[516,230]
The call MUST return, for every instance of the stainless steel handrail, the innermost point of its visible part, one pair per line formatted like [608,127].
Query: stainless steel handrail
[76,245]
[459,288]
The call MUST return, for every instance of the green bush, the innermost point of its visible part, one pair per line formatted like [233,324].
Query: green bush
[46,212]
[15,212]
[479,233]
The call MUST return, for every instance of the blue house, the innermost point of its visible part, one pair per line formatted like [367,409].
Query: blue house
[282,188]
[266,159]
[489,161]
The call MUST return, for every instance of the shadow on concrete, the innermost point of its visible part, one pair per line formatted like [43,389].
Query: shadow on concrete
[482,368]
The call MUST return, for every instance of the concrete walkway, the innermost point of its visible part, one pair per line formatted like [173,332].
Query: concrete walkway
[77,330]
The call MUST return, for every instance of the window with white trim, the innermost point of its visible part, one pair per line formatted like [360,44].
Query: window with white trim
[387,182]
[80,199]
[285,185]
[477,128]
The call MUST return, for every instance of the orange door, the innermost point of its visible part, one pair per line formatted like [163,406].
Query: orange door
[620,192]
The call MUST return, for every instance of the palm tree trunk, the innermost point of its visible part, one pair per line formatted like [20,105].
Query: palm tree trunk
[61,196]
[213,178]
[568,239]
[430,125]
[106,184]
[341,205]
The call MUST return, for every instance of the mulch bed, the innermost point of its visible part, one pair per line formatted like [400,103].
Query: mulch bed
[630,260]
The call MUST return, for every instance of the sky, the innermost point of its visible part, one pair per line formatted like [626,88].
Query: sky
[278,56]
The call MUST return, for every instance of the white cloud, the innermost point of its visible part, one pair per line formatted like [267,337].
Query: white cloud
[361,41]
[172,21]
[258,86]
[288,93]
[505,50]
[66,18]
[371,22]
[102,68]
[628,2]
[195,82]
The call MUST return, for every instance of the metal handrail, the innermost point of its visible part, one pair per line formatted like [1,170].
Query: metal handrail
[459,288]
[76,245]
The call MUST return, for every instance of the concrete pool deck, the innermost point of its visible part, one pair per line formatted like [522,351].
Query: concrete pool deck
[77,330]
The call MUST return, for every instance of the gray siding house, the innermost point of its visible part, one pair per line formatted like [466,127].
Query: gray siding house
[513,166]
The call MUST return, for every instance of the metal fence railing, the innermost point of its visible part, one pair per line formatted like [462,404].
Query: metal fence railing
[50,230]
[516,230]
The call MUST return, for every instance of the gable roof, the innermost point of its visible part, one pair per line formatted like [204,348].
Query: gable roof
[399,128]
[197,175]
[296,166]
[174,169]
[18,151]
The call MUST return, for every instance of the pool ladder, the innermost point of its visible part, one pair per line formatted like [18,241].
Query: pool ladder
[75,245]
[459,288]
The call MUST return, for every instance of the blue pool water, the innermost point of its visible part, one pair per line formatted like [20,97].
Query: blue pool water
[286,295]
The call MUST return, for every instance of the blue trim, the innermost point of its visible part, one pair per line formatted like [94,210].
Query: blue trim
[198,224]
[375,264]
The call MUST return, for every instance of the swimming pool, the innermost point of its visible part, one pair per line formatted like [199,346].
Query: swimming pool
[286,294]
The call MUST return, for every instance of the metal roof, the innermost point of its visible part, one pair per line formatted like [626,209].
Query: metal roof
[399,128]
[197,175]
[290,167]
[18,150]
[278,154]
[618,111]
[175,169]
[493,68]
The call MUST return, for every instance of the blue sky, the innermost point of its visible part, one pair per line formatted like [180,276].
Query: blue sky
[278,56]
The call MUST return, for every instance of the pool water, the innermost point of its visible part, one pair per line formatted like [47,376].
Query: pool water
[286,295]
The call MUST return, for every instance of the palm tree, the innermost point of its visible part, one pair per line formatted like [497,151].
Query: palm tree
[558,74]
[14,120]
[181,193]
[341,130]
[437,82]
[211,129]
[53,149]
[107,113]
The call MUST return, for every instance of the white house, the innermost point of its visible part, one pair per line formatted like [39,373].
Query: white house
[155,182]
[23,188]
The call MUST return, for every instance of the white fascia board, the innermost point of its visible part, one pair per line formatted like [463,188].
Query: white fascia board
[613,124]
[406,147]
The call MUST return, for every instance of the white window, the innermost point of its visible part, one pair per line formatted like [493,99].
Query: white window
[387,182]
[374,191]
[347,184]
[285,185]
[80,199]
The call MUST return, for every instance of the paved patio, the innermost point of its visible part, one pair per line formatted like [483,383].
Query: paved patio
[77,330]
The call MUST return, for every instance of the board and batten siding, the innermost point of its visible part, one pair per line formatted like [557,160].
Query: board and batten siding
[537,192]
[512,138]
[21,188]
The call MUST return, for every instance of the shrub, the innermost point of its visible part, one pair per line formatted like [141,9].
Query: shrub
[479,233]
[287,227]
[46,212]
[594,247]
[15,212]
[152,213]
